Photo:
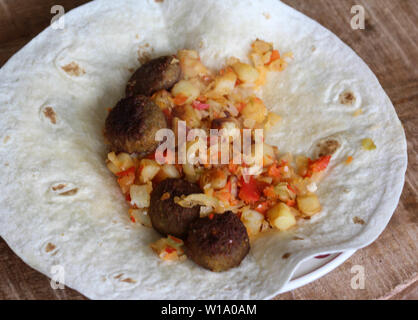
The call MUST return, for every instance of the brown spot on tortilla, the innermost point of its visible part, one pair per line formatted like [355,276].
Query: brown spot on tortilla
[286,255]
[73,69]
[347,98]
[6,139]
[131,70]
[327,147]
[50,247]
[298,238]
[137,36]
[65,193]
[58,187]
[128,280]
[118,276]
[69,192]
[313,48]
[358,220]
[50,114]
[159,1]
[165,196]
[6,164]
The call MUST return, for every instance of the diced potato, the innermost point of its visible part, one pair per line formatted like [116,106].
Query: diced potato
[125,161]
[254,110]
[302,163]
[268,155]
[281,217]
[187,89]
[189,114]
[308,204]
[215,177]
[140,195]
[252,220]
[167,171]
[191,65]
[111,166]
[225,84]
[261,46]
[257,59]
[126,182]
[141,216]
[190,172]
[163,99]
[368,144]
[278,65]
[283,192]
[149,169]
[245,72]
[122,161]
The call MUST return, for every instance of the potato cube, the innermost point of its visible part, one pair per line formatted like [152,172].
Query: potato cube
[281,217]
[225,84]
[308,204]
[187,89]
[149,169]
[254,110]
[245,72]
[252,220]
[140,195]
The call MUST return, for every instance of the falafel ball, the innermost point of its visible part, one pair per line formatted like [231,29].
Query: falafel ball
[218,242]
[167,217]
[157,74]
[132,124]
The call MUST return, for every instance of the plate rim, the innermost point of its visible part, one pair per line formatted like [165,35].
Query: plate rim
[317,272]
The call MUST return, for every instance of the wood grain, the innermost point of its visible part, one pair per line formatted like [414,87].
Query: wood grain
[389,46]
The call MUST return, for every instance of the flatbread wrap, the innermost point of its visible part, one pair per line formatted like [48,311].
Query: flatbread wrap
[60,205]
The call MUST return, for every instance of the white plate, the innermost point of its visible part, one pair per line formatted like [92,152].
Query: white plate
[315,268]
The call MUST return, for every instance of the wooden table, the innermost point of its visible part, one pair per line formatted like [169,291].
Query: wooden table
[389,47]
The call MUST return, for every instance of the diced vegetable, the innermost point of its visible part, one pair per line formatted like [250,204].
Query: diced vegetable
[308,204]
[269,155]
[185,88]
[261,46]
[368,144]
[281,217]
[141,216]
[252,221]
[225,83]
[254,110]
[245,72]
[167,171]
[140,195]
[200,199]
[168,249]
[148,170]
[249,192]
[191,65]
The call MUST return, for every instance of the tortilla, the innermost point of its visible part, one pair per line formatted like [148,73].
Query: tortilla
[60,205]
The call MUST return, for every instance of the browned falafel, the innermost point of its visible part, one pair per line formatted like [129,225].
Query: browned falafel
[167,217]
[157,74]
[218,242]
[132,124]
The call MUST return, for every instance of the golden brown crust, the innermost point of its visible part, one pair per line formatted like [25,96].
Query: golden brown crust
[167,217]
[157,74]
[217,242]
[132,124]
